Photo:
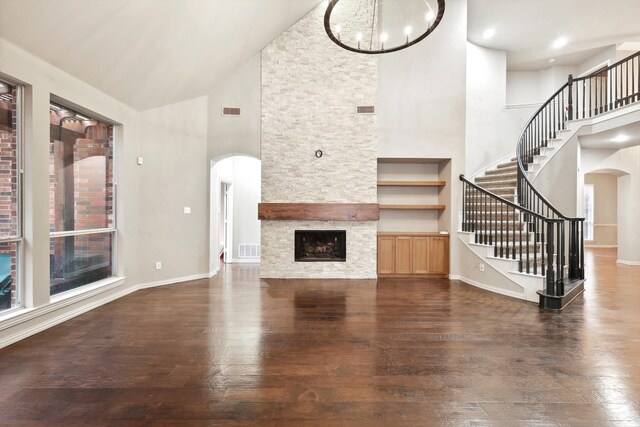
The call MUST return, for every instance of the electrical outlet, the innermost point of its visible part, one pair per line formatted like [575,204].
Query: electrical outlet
[158,265]
[481,267]
[187,209]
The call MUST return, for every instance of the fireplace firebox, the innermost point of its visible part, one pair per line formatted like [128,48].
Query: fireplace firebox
[320,245]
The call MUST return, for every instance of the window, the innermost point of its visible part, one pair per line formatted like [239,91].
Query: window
[10,183]
[588,212]
[81,195]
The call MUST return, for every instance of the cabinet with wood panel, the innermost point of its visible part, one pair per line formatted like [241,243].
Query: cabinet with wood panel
[413,255]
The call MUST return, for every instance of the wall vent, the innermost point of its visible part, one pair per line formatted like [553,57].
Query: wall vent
[248,251]
[365,109]
[231,111]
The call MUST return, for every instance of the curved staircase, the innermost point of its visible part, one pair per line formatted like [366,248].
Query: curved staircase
[510,224]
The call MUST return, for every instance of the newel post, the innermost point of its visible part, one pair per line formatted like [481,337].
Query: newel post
[570,108]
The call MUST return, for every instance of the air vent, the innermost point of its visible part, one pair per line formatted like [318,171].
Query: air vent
[231,111]
[248,251]
[365,109]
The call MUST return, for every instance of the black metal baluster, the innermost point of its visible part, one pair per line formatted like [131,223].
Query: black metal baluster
[542,247]
[550,275]
[502,221]
[535,246]
[609,77]
[520,261]
[516,216]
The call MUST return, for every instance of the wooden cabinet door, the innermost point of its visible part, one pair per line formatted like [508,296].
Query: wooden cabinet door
[438,255]
[404,256]
[386,254]
[421,255]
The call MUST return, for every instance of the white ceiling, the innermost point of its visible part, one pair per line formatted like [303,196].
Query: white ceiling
[527,28]
[613,139]
[148,53]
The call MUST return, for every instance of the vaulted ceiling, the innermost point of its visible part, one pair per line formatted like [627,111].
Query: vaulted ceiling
[148,53]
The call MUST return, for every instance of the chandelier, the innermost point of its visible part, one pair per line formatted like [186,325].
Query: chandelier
[381,26]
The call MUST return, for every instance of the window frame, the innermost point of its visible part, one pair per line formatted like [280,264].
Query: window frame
[93,231]
[18,238]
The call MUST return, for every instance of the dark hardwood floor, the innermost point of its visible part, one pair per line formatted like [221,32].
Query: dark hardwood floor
[236,350]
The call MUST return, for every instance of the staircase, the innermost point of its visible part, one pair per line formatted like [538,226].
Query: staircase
[506,220]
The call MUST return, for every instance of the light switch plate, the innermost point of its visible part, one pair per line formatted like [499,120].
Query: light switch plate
[187,210]
[140,159]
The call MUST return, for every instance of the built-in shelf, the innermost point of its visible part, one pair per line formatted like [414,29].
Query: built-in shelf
[411,183]
[414,207]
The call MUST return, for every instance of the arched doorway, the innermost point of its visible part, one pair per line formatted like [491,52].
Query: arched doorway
[234,232]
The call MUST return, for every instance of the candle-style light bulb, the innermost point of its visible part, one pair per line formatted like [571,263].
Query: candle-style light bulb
[359,39]
[407,32]
[383,38]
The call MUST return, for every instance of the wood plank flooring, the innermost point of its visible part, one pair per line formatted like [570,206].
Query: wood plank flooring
[236,350]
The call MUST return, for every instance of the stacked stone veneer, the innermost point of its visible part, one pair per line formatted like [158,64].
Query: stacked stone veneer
[310,90]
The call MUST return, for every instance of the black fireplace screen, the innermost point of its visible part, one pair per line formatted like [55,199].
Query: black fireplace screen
[318,246]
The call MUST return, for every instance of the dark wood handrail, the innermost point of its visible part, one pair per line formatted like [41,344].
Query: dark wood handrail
[519,157]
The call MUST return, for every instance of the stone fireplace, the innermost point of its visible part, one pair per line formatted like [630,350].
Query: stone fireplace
[320,246]
[311,89]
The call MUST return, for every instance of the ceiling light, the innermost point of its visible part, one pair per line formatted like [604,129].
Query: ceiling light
[489,33]
[560,42]
[369,26]
[551,61]
[621,138]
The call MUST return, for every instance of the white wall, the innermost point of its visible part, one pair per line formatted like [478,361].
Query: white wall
[558,180]
[150,200]
[492,130]
[241,135]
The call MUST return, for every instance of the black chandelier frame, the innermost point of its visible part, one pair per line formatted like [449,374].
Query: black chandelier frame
[336,40]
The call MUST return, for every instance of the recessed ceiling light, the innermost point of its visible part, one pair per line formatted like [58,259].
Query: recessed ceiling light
[560,42]
[621,138]
[489,33]
[551,61]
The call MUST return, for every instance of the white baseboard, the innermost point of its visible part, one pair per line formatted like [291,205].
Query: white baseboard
[177,280]
[245,261]
[62,317]
[625,262]
[501,291]
[600,246]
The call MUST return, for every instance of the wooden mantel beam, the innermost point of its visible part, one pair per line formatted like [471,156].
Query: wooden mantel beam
[319,211]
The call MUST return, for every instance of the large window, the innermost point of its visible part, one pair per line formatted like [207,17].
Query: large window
[588,212]
[81,195]
[10,178]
